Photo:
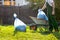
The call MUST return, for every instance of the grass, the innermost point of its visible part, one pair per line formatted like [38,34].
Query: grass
[6,33]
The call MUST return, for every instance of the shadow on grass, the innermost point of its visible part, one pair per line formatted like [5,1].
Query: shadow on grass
[57,35]
[45,33]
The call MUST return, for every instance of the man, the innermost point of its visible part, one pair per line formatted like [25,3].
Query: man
[49,4]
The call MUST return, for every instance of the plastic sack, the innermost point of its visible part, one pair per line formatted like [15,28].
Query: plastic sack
[41,15]
[19,25]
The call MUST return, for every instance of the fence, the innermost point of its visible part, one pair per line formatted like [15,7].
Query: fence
[23,12]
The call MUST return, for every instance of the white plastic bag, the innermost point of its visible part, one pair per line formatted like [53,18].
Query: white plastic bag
[18,24]
[41,15]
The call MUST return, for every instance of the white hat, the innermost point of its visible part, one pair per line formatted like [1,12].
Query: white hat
[15,15]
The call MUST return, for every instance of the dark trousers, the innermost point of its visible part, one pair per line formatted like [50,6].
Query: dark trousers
[51,19]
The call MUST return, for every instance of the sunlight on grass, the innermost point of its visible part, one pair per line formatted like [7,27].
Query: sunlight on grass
[6,33]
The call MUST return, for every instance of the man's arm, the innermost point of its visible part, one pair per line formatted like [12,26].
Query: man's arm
[44,6]
[53,10]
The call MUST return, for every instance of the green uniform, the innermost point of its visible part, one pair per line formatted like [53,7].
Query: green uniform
[51,18]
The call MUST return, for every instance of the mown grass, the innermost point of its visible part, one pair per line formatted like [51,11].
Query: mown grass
[6,33]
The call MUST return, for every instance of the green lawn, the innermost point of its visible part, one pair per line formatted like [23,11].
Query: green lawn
[6,33]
